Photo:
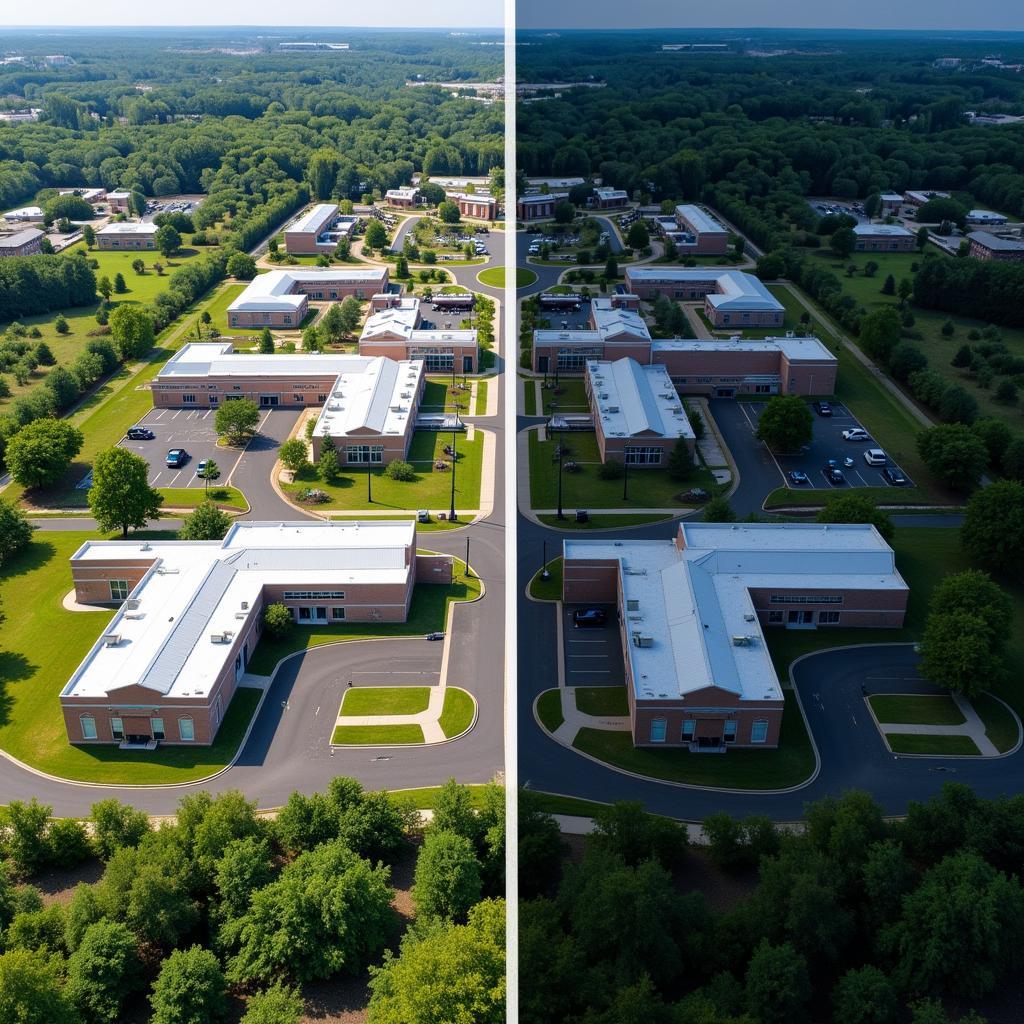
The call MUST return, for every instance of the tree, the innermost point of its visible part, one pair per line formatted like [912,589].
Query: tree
[375,236]
[351,312]
[786,423]
[397,469]
[953,454]
[292,454]
[132,331]
[906,359]
[328,911]
[104,287]
[844,241]
[880,332]
[889,285]
[139,266]
[277,621]
[61,325]
[15,530]
[266,343]
[865,996]
[120,496]
[89,235]
[448,212]
[39,454]
[447,877]
[206,522]
[103,971]
[327,465]
[137,202]
[958,405]
[852,507]
[939,209]
[208,472]
[922,238]
[565,212]
[771,266]
[31,990]
[611,268]
[638,237]
[401,267]
[972,592]
[120,287]
[236,421]
[1006,392]
[625,830]
[993,528]
[680,464]
[277,1005]
[449,972]
[23,833]
[190,989]
[167,240]
[242,266]
[115,824]
[778,987]
[718,510]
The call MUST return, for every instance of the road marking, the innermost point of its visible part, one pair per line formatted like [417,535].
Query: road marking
[176,415]
[582,657]
[173,478]
[590,672]
[317,712]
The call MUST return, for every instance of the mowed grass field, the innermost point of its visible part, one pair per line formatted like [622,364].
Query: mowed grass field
[39,652]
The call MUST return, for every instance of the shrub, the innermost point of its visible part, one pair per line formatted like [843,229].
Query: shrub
[611,469]
[277,621]
[399,470]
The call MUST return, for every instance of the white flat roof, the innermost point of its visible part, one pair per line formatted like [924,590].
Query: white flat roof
[793,348]
[272,292]
[701,221]
[407,192]
[995,243]
[217,358]
[891,197]
[630,400]
[610,320]
[20,238]
[894,230]
[376,400]
[197,588]
[119,193]
[129,227]
[314,219]
[923,195]
[692,603]
[402,320]
[25,213]
[986,215]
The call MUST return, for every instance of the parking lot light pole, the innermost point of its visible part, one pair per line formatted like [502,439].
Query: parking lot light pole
[369,480]
[455,459]
[625,475]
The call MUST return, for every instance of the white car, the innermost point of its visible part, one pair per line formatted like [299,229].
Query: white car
[855,434]
[875,457]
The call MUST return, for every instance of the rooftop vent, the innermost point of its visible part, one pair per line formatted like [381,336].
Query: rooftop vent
[111,639]
[632,604]
[742,641]
[641,640]
[221,638]
[132,603]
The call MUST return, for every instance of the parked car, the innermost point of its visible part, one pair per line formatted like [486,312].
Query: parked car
[875,457]
[823,408]
[848,462]
[894,476]
[176,458]
[833,474]
[423,516]
[855,434]
[587,617]
[201,469]
[435,636]
[798,476]
[139,434]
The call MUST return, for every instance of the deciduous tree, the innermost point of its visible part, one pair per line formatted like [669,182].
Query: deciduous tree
[120,496]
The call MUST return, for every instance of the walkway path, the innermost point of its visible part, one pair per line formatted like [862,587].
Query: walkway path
[574,719]
[428,720]
[973,727]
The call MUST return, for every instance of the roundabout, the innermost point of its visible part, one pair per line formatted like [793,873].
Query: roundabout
[494,277]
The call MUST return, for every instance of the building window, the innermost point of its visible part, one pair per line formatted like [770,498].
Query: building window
[828,618]
[643,455]
[188,399]
[305,614]
[298,398]
[314,595]
[439,362]
[186,730]
[806,599]
[729,733]
[360,454]
[337,613]
[762,389]
[689,727]
[216,710]
[759,730]
[118,590]
[117,728]
[775,617]
[157,725]
[88,727]
[658,728]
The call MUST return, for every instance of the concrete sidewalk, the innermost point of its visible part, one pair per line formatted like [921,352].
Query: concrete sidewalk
[429,720]
[974,727]
[574,719]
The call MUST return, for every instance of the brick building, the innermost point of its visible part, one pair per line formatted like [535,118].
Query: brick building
[538,207]
[127,235]
[692,614]
[478,207]
[404,198]
[987,246]
[884,238]
[189,617]
[396,329]
[699,233]
[27,242]
[318,230]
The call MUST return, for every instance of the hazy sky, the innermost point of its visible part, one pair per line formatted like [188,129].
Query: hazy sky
[348,13]
[987,15]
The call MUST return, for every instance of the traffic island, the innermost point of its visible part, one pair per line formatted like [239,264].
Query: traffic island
[402,715]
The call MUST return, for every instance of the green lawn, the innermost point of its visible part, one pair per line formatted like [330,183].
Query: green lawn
[457,713]
[789,765]
[797,497]
[426,797]
[430,489]
[439,394]
[433,525]
[427,613]
[384,700]
[1000,725]
[602,701]
[549,589]
[648,488]
[495,277]
[571,397]
[916,709]
[217,307]
[377,735]
[946,746]
[529,398]
[549,709]
[230,498]
[552,803]
[481,398]
[609,521]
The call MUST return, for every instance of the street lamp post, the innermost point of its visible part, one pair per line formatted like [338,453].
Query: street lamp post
[553,408]
[369,480]
[625,475]
[455,459]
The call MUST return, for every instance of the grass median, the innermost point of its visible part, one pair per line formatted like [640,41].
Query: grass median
[384,700]
[551,588]
[938,746]
[549,709]
[916,709]
[602,701]
[376,735]
[457,712]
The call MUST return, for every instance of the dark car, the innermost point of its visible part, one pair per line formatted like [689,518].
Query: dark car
[583,617]
[139,434]
[823,408]
[176,458]
[894,476]
[834,475]
[435,636]
[798,476]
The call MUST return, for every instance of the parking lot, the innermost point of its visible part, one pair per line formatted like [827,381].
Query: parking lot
[191,429]
[567,318]
[828,443]
[593,655]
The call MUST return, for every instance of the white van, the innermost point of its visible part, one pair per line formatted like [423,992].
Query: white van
[875,457]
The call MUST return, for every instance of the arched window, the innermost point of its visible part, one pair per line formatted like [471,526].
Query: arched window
[759,730]
[186,729]
[659,727]
[88,727]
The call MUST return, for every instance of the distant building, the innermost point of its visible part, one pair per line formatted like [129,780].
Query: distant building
[92,196]
[24,215]
[693,613]
[731,297]
[119,201]
[318,230]
[606,198]
[883,238]
[947,63]
[920,197]
[538,207]
[405,198]
[477,207]
[987,246]
[891,203]
[996,120]
[190,616]
[302,47]
[27,242]
[985,217]
[700,234]
[396,329]
[127,235]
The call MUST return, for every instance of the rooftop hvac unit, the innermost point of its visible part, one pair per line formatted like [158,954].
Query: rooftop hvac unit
[132,603]
[111,639]
[641,640]
[750,616]
[632,604]
[133,615]
[742,641]
[221,638]
[240,615]
[613,408]
[245,605]
[636,618]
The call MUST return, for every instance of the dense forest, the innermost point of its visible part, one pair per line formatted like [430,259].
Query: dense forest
[851,920]
[221,912]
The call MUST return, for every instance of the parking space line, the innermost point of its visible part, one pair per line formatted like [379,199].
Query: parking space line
[173,478]
[176,415]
